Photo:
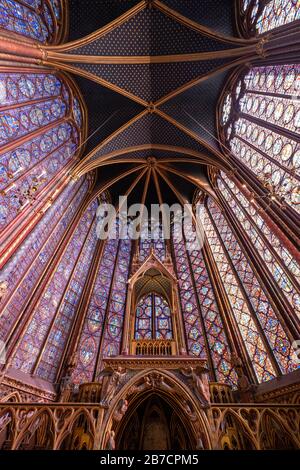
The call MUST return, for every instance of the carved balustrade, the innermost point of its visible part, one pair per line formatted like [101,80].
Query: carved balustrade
[79,426]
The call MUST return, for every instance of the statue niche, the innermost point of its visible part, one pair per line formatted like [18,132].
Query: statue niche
[110,379]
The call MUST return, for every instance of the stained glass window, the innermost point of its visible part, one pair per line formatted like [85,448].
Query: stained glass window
[188,299]
[152,239]
[27,265]
[250,334]
[261,125]
[27,118]
[60,331]
[153,318]
[116,309]
[36,19]
[280,262]
[215,333]
[253,312]
[206,336]
[265,16]
[92,330]
[33,107]
[51,300]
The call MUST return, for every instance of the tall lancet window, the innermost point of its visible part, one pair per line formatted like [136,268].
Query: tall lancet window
[247,325]
[152,237]
[101,332]
[217,340]
[280,263]
[26,266]
[116,309]
[153,318]
[90,340]
[265,338]
[188,299]
[262,16]
[40,130]
[40,20]
[41,345]
[261,125]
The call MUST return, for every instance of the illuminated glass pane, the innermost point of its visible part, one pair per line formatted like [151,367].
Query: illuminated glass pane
[25,268]
[152,239]
[216,336]
[153,318]
[60,331]
[280,262]
[143,315]
[250,333]
[96,312]
[116,308]
[27,168]
[277,13]
[267,317]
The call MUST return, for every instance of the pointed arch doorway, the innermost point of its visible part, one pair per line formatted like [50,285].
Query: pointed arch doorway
[153,423]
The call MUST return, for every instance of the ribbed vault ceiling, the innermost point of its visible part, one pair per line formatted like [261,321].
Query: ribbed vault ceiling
[151,73]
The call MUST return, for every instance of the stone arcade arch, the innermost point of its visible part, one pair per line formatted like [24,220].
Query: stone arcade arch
[163,386]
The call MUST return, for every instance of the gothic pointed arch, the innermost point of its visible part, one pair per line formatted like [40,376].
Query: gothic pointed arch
[181,299]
